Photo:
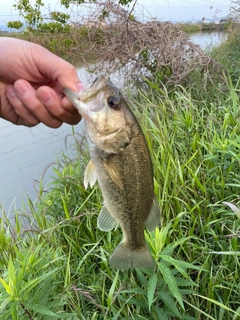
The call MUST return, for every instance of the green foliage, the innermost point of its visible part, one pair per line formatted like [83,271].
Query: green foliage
[124,2]
[228,53]
[53,27]
[15,24]
[83,31]
[28,283]
[68,43]
[32,15]
[67,3]
[190,27]
[30,12]
[60,17]
[34,19]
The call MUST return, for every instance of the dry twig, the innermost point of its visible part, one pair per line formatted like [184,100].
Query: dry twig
[143,50]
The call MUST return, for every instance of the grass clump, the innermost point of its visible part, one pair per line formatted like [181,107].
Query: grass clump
[54,259]
[228,53]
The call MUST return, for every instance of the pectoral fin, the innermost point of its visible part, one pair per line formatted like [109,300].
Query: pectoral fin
[90,176]
[105,221]
[153,219]
[113,171]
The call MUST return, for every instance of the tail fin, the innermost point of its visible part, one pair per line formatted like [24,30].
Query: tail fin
[124,257]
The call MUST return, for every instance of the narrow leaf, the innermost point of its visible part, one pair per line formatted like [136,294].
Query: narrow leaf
[65,208]
[6,286]
[161,314]
[5,303]
[229,253]
[172,285]
[43,310]
[169,302]
[221,305]
[152,284]
[234,208]
[176,265]
[11,272]
[111,291]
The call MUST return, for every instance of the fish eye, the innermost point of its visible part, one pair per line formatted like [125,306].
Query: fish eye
[113,102]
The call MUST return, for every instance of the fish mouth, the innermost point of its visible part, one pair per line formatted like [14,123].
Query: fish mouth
[80,100]
[88,95]
[100,81]
[91,91]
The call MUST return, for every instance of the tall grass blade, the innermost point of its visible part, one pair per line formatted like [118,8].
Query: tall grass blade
[152,284]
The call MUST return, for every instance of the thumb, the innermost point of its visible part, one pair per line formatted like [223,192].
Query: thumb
[68,78]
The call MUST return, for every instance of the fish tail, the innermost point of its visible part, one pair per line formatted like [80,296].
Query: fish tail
[125,257]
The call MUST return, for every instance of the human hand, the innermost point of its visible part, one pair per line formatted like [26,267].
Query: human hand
[31,85]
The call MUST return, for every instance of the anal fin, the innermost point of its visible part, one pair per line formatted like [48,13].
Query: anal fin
[106,221]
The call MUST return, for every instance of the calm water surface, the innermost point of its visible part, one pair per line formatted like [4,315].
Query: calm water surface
[25,153]
[206,39]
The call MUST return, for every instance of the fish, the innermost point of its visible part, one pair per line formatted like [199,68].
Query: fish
[120,162]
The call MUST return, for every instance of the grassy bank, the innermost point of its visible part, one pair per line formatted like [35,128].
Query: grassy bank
[196,27]
[228,54]
[54,261]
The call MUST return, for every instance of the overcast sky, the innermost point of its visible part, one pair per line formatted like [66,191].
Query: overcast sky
[8,13]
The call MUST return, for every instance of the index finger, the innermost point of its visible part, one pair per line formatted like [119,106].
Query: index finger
[57,69]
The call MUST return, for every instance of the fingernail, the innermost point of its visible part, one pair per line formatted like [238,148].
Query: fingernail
[21,89]
[80,87]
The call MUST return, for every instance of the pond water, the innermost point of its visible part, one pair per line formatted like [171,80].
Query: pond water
[206,39]
[25,153]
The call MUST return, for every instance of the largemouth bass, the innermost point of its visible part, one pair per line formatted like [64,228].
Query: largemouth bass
[121,163]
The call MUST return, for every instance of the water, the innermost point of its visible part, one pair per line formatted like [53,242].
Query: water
[206,39]
[25,153]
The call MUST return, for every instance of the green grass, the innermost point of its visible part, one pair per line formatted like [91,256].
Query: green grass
[228,53]
[196,27]
[54,260]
